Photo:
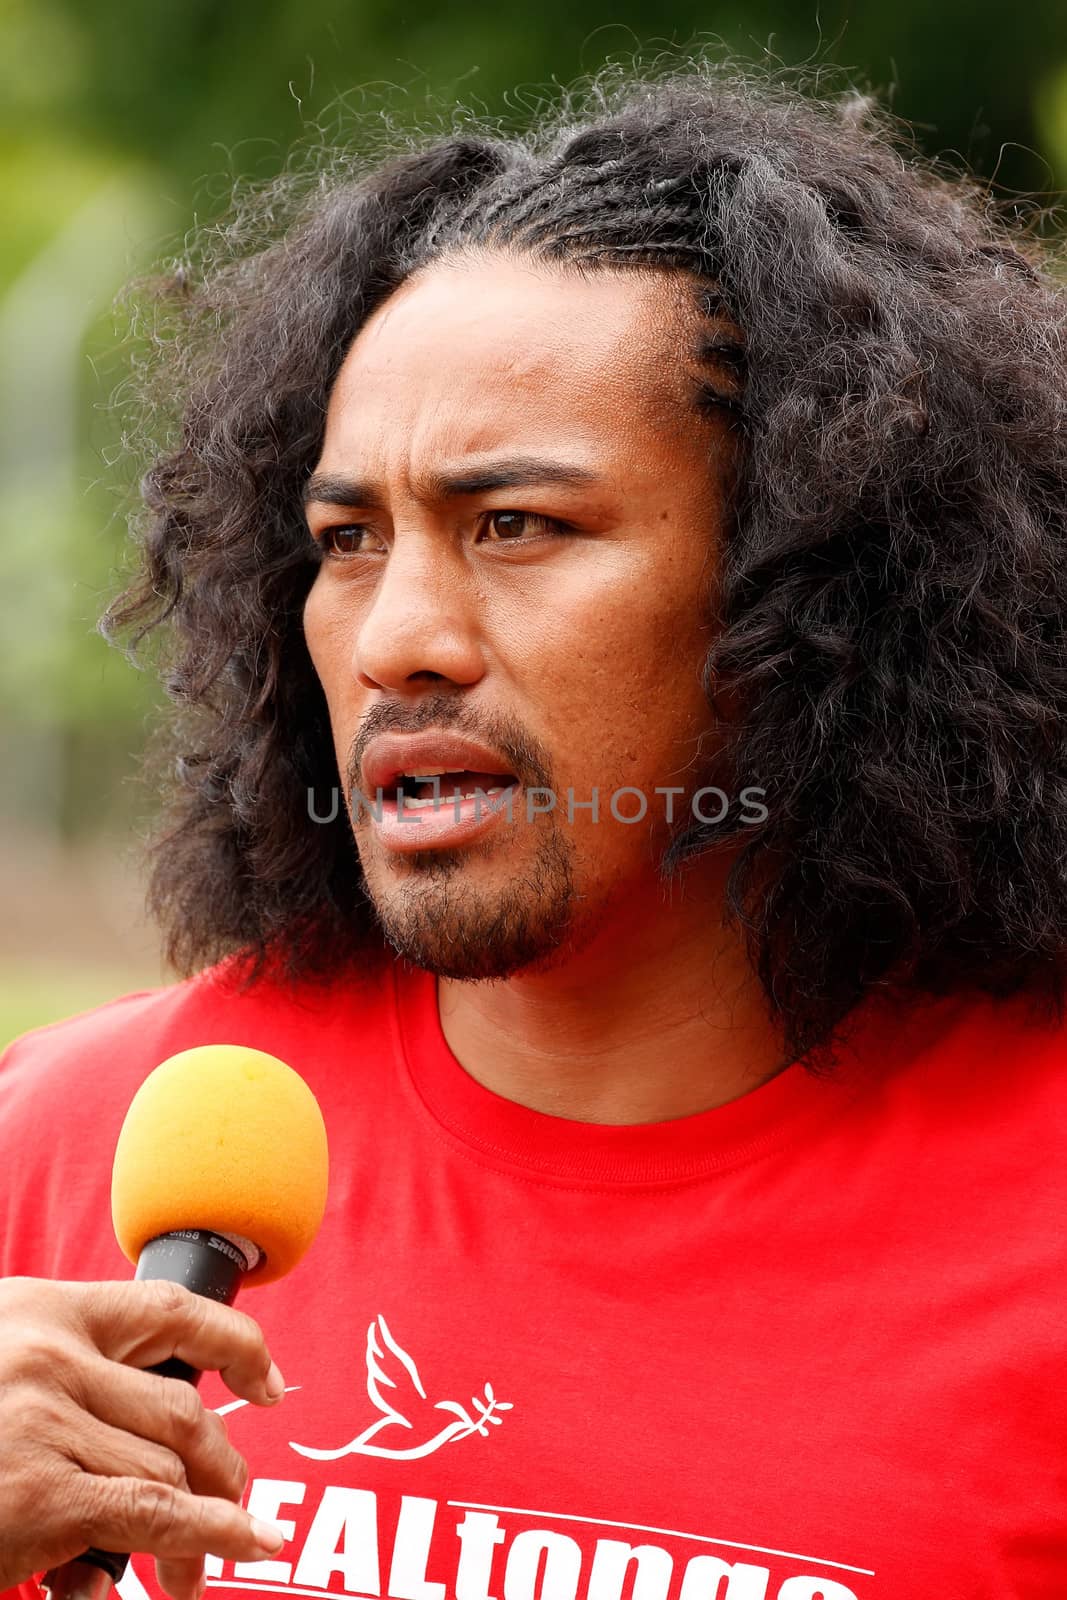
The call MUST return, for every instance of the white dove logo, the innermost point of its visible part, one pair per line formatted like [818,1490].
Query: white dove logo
[412,1396]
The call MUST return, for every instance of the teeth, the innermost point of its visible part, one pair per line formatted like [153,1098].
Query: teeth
[445,799]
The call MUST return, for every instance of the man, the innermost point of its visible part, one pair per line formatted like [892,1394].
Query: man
[654,529]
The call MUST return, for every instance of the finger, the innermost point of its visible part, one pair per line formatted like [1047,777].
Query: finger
[181,1579]
[112,1453]
[138,1514]
[143,1323]
[168,1412]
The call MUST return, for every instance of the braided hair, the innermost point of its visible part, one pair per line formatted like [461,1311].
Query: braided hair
[892,594]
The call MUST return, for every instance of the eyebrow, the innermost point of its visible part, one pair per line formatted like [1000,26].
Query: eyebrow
[511,472]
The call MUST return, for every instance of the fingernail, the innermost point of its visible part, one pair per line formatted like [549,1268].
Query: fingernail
[275,1382]
[267,1535]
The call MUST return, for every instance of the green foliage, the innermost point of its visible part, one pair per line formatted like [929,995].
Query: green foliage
[182,86]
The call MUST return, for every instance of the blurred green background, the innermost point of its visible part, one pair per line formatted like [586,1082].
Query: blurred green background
[123,123]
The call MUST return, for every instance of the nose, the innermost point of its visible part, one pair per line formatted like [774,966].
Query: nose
[421,626]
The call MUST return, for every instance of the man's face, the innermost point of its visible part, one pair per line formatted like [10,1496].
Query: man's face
[562,625]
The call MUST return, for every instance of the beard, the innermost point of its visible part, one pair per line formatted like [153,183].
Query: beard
[430,910]
[438,920]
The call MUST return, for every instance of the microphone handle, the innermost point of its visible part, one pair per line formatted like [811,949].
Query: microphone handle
[208,1264]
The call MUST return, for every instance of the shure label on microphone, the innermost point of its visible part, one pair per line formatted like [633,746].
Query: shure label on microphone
[225,1248]
[215,1241]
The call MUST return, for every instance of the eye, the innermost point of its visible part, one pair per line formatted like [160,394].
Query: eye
[509,526]
[347,540]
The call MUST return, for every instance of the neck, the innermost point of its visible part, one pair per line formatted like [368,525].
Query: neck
[656,1015]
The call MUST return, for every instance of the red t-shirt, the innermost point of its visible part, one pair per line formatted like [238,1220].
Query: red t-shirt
[807,1346]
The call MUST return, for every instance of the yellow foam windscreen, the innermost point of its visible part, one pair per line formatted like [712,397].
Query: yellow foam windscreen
[225,1138]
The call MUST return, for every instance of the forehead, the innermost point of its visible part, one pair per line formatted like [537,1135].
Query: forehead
[477,346]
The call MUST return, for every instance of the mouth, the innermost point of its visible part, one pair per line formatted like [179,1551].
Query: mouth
[440,810]
[434,788]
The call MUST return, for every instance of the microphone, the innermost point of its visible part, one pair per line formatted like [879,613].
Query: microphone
[219,1180]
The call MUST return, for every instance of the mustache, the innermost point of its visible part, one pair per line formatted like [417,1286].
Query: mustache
[526,756]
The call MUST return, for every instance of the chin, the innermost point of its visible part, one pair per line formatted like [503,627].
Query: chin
[475,963]
[440,920]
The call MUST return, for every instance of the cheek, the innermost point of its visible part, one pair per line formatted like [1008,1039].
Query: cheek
[614,667]
[670,627]
[327,634]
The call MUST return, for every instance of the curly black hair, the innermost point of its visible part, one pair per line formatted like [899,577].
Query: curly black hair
[893,590]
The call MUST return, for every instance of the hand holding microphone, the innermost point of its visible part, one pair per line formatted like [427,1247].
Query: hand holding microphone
[95,1451]
[220,1176]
